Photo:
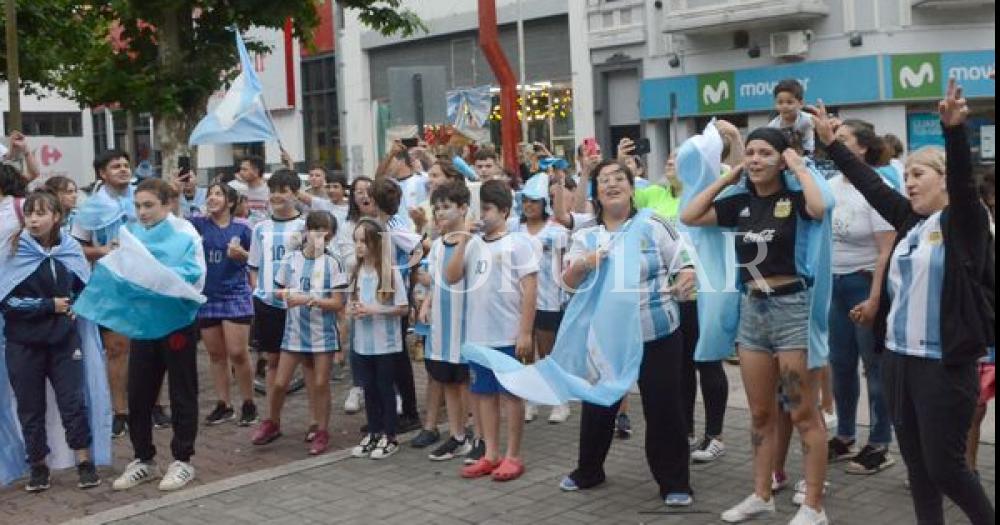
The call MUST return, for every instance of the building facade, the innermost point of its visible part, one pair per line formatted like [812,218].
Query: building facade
[662,68]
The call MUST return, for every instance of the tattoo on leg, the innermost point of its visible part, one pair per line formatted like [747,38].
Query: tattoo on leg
[805,448]
[756,439]
[791,385]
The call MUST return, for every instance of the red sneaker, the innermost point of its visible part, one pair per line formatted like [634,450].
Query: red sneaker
[320,442]
[483,467]
[267,432]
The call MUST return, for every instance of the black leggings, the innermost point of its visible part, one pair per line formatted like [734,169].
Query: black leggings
[714,385]
[403,379]
[666,444]
[931,407]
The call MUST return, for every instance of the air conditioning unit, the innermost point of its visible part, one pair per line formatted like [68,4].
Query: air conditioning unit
[790,44]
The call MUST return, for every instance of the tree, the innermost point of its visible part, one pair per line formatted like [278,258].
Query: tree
[165,57]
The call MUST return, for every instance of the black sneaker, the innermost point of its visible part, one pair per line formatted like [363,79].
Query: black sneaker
[248,414]
[87,475]
[161,419]
[220,414]
[119,425]
[623,427]
[838,450]
[451,449]
[477,452]
[870,460]
[425,438]
[39,479]
[408,423]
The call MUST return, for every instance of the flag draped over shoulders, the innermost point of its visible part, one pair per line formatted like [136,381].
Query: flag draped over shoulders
[98,397]
[102,209]
[145,289]
[698,166]
[599,345]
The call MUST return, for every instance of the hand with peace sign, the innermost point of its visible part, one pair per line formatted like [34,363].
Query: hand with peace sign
[953,109]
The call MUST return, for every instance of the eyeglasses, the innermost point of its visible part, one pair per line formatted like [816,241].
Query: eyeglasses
[617,175]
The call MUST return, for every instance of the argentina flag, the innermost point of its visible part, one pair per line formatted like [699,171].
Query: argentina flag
[241,116]
[135,294]
[598,349]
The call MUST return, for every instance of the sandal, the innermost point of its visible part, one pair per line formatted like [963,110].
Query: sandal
[483,467]
[311,433]
[508,470]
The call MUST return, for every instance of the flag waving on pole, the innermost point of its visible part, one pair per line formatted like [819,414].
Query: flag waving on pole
[241,116]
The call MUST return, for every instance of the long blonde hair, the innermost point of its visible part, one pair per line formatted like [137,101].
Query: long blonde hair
[378,248]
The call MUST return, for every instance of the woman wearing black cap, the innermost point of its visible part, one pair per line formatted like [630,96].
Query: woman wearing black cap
[773,335]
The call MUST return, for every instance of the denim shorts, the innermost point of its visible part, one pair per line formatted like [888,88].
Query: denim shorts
[774,324]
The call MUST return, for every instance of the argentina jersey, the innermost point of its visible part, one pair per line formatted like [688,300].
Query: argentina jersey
[377,334]
[661,255]
[310,329]
[447,308]
[550,243]
[272,240]
[916,276]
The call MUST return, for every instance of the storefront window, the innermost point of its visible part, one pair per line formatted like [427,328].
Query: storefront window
[548,111]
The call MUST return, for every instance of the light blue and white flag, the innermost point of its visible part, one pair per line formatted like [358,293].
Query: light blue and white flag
[146,288]
[598,349]
[97,394]
[241,116]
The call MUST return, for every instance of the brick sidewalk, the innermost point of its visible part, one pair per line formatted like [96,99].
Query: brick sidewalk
[239,483]
[409,489]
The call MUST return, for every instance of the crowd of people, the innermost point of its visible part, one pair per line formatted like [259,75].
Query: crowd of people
[873,258]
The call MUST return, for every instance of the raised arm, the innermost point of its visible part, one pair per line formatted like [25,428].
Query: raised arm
[963,198]
[892,206]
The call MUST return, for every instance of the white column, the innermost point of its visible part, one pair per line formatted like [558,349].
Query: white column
[358,117]
[582,72]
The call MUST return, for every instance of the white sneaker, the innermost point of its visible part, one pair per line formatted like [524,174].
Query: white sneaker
[800,491]
[710,450]
[751,507]
[693,443]
[809,516]
[530,412]
[136,473]
[355,399]
[364,449]
[178,474]
[399,405]
[560,413]
[385,448]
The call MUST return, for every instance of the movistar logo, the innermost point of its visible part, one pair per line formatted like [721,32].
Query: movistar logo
[712,95]
[910,79]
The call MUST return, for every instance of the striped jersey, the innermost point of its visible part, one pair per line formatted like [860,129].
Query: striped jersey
[550,244]
[662,255]
[493,273]
[272,240]
[378,334]
[310,329]
[916,277]
[448,308]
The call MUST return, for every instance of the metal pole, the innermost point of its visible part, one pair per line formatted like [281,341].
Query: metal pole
[418,103]
[524,86]
[13,69]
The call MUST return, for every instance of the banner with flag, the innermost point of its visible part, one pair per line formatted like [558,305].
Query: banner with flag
[599,346]
[241,116]
[132,293]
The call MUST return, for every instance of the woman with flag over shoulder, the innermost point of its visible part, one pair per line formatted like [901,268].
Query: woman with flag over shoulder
[936,316]
[148,288]
[659,361]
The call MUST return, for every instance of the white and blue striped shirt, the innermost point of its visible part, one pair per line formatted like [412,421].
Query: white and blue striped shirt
[378,334]
[448,308]
[916,277]
[550,243]
[272,240]
[311,329]
[662,256]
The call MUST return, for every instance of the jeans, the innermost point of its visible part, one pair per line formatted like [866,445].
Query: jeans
[932,408]
[377,373]
[848,342]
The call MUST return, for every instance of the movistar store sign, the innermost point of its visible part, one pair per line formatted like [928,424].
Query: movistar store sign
[838,82]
